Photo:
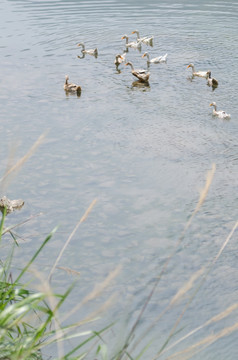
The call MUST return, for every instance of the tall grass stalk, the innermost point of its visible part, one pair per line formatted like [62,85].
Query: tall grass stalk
[201,200]
[83,218]
[20,162]
[203,279]
[194,284]
[228,311]
[194,349]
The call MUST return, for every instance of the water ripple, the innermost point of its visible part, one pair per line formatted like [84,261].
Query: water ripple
[143,150]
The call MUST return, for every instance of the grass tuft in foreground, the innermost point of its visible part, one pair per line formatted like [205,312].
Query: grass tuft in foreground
[20,308]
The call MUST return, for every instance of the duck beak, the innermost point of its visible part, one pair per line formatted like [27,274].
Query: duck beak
[188,66]
[210,104]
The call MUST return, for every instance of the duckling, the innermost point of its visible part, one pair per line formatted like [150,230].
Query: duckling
[198,73]
[71,88]
[142,75]
[93,52]
[219,113]
[211,81]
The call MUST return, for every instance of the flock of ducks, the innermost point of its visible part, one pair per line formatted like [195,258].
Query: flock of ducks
[143,75]
[210,82]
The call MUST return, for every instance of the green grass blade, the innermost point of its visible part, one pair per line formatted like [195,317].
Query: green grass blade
[36,253]
[2,222]
[66,357]
[14,237]
[143,350]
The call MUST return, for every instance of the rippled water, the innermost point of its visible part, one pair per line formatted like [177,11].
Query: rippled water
[143,152]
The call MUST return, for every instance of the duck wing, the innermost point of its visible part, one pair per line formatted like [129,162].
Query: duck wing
[141,74]
[72,87]
[159,59]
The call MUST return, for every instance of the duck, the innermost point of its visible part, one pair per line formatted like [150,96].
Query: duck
[93,52]
[133,44]
[211,81]
[155,60]
[148,40]
[70,87]
[141,74]
[219,113]
[119,59]
[198,73]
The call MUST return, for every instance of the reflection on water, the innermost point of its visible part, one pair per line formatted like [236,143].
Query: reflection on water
[142,149]
[145,86]
[70,93]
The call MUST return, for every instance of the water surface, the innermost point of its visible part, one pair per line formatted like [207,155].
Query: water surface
[143,152]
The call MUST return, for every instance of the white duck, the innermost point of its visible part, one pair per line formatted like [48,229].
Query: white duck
[198,73]
[219,113]
[141,74]
[70,87]
[120,59]
[132,44]
[148,40]
[211,81]
[155,60]
[93,52]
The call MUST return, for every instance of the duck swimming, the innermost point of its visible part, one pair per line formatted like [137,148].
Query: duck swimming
[155,60]
[211,81]
[198,73]
[219,113]
[148,40]
[70,87]
[119,59]
[133,44]
[142,75]
[93,52]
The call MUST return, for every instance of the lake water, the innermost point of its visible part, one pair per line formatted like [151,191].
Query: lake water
[142,151]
